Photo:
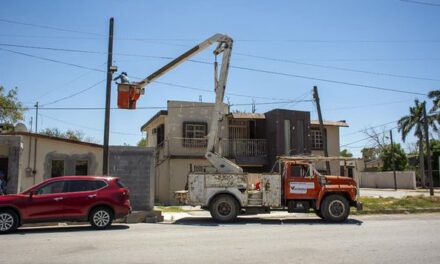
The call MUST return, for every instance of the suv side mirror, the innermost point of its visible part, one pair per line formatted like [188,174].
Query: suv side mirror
[31,193]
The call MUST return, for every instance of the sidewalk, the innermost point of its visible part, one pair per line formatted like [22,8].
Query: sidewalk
[368,192]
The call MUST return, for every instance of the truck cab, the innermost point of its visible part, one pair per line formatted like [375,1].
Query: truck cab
[305,189]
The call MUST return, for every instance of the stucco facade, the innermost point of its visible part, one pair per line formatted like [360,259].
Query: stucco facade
[27,167]
[244,140]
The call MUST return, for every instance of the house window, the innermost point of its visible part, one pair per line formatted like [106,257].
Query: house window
[81,167]
[316,138]
[57,168]
[194,134]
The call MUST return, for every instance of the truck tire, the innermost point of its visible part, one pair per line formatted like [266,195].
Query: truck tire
[8,221]
[318,213]
[224,208]
[335,208]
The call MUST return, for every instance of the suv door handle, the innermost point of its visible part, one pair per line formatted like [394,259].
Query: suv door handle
[58,199]
[92,196]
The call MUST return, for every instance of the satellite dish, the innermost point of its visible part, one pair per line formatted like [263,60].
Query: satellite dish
[20,127]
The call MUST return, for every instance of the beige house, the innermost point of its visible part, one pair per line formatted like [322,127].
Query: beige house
[251,140]
[28,158]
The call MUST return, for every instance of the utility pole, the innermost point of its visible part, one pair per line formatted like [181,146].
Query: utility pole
[393,160]
[428,150]
[110,70]
[34,169]
[321,127]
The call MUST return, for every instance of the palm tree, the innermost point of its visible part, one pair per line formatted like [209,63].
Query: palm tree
[414,121]
[435,96]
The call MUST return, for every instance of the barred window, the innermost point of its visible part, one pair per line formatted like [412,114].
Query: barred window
[316,138]
[194,134]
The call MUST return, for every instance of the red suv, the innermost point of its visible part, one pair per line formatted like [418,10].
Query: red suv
[98,200]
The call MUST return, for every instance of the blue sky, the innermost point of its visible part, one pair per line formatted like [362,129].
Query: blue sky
[393,37]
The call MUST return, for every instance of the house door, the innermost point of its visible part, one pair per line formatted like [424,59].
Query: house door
[4,168]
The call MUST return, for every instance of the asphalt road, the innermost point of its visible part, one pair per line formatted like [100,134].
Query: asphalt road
[364,239]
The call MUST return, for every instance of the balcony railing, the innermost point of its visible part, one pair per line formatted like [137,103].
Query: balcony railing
[231,148]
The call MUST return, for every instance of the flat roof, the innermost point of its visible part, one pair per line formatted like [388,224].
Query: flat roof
[330,123]
[247,115]
[52,138]
[160,113]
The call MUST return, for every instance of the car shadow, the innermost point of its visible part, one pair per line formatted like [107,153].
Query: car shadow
[208,221]
[61,229]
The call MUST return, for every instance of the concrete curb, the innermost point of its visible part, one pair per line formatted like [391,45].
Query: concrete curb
[398,211]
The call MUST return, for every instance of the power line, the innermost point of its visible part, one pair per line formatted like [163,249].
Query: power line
[236,53]
[247,69]
[420,2]
[52,60]
[90,128]
[337,68]
[68,82]
[209,105]
[326,80]
[363,130]
[73,95]
[47,27]
[366,105]
[360,140]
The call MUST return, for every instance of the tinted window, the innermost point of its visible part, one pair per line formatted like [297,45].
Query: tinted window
[53,187]
[85,185]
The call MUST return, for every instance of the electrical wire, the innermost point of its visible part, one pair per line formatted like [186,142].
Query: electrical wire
[73,95]
[337,68]
[235,53]
[360,140]
[89,128]
[420,3]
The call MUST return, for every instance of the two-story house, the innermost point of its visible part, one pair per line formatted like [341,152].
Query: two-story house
[251,140]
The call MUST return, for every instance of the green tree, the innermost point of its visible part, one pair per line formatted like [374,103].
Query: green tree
[69,134]
[345,153]
[11,109]
[142,142]
[414,122]
[369,154]
[388,153]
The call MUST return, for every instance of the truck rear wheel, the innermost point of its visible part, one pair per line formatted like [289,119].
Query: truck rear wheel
[224,208]
[335,208]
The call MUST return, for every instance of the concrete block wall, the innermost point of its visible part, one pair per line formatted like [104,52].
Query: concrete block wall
[385,179]
[135,167]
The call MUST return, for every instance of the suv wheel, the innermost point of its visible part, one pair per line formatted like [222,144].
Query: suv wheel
[335,208]
[8,221]
[224,208]
[101,218]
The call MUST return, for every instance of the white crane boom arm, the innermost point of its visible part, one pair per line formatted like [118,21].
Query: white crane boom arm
[224,46]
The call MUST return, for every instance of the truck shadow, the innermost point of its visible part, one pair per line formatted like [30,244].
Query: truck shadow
[208,221]
[62,229]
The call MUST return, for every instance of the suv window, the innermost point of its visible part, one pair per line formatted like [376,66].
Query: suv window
[85,185]
[50,188]
[120,184]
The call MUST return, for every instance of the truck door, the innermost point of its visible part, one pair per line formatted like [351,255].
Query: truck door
[301,182]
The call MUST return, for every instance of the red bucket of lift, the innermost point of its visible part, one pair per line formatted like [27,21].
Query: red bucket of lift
[128,94]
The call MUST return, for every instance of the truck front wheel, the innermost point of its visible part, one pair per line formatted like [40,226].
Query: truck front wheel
[335,208]
[224,208]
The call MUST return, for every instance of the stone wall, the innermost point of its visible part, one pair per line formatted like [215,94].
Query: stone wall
[135,167]
[385,179]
